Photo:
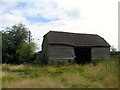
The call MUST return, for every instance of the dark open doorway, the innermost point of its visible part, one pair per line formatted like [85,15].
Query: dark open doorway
[83,55]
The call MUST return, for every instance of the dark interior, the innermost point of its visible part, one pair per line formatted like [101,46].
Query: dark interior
[83,55]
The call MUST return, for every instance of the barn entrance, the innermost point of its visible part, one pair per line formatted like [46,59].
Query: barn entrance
[83,55]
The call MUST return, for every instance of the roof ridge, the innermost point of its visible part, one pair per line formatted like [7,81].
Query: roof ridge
[72,33]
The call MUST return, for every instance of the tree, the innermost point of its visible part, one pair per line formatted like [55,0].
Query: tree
[12,40]
[113,49]
[0,46]
[25,52]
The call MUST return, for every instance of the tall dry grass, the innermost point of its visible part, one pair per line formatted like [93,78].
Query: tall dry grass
[43,82]
[102,75]
[21,67]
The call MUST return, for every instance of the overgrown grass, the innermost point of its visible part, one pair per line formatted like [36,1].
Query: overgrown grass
[0,76]
[103,74]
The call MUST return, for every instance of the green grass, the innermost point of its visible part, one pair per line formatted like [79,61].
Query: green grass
[103,74]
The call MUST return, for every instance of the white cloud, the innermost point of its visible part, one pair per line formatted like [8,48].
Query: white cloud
[10,19]
[80,16]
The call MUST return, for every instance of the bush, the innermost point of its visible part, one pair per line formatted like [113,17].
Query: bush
[25,52]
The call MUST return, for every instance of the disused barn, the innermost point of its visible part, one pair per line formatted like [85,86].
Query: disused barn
[76,47]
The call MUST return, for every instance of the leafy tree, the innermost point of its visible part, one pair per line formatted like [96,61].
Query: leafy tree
[25,52]
[0,46]
[12,40]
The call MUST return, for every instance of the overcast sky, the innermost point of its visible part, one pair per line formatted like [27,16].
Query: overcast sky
[79,16]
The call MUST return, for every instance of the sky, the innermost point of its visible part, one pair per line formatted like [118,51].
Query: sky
[77,16]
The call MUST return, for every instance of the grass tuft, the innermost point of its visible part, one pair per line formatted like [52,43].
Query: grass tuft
[104,74]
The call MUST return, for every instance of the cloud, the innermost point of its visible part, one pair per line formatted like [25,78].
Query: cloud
[39,19]
[21,5]
[47,9]
[73,13]
[10,19]
[80,16]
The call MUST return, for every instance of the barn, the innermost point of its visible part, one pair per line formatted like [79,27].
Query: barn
[81,48]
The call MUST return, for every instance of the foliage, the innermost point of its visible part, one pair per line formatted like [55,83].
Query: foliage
[113,49]
[25,52]
[13,39]
[0,47]
[102,75]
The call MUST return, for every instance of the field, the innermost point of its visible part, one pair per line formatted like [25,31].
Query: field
[101,74]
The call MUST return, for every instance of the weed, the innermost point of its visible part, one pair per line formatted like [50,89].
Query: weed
[104,74]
